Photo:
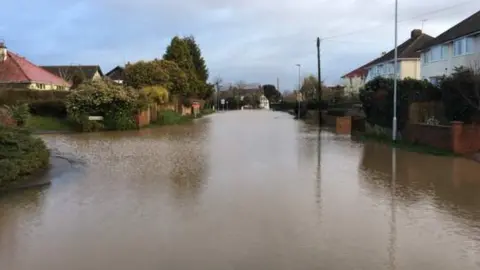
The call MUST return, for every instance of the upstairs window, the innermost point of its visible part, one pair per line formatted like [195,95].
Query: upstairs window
[459,47]
[469,44]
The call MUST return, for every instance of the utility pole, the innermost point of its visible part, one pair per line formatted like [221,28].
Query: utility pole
[395,79]
[319,92]
[278,84]
[299,87]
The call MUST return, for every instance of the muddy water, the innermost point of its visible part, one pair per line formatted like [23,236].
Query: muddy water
[243,190]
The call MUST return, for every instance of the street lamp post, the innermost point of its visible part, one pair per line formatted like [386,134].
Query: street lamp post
[395,78]
[299,87]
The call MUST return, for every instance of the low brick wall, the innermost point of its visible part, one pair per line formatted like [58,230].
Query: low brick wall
[143,118]
[344,125]
[466,138]
[436,136]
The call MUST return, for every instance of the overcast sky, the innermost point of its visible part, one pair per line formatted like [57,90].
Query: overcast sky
[251,40]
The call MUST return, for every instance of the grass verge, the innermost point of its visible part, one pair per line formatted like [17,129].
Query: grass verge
[408,146]
[45,123]
[172,118]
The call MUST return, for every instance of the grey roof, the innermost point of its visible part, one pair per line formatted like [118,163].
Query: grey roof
[117,73]
[466,27]
[408,49]
[68,71]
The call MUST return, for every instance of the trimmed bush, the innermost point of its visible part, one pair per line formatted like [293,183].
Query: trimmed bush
[172,118]
[15,96]
[20,155]
[53,108]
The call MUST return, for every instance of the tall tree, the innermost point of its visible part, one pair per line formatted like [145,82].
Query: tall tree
[178,52]
[271,93]
[198,61]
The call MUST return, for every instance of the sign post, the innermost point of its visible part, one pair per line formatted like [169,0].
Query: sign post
[222,101]
[196,108]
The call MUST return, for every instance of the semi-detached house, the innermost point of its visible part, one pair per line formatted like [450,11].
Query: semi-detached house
[459,46]
[408,65]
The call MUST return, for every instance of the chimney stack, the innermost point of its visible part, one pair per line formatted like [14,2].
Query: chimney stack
[416,33]
[383,53]
[3,51]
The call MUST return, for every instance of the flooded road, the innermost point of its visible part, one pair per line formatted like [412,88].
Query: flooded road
[243,190]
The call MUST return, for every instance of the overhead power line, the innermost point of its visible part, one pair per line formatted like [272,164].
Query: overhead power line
[422,16]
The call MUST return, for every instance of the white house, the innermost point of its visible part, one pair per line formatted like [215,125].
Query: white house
[408,59]
[459,46]
[354,80]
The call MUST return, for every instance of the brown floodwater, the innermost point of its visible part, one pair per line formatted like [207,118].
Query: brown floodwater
[243,190]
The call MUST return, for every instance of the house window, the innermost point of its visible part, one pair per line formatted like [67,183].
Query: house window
[469,44]
[445,52]
[41,86]
[459,47]
[426,57]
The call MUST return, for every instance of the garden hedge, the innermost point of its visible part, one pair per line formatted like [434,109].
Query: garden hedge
[12,96]
[20,155]
[53,108]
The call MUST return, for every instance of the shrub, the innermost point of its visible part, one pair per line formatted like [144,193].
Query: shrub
[20,155]
[53,108]
[377,99]
[15,96]
[155,94]
[6,118]
[115,103]
[461,95]
[19,112]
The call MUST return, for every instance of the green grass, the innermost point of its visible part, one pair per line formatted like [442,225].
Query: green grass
[408,146]
[44,123]
[172,118]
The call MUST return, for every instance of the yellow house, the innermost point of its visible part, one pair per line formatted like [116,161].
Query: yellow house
[17,72]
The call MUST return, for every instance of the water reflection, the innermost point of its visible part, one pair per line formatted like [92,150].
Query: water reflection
[450,183]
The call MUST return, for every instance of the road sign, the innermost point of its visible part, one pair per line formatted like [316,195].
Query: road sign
[222,101]
[196,105]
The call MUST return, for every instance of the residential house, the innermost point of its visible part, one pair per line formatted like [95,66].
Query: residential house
[117,74]
[355,80]
[19,73]
[408,65]
[459,46]
[88,73]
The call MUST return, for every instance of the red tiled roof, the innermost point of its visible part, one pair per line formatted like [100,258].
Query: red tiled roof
[16,69]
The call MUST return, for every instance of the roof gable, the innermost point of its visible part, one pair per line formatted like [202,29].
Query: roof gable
[17,69]
[468,26]
[116,73]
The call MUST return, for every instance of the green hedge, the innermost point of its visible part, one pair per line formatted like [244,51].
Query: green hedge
[20,155]
[53,108]
[15,96]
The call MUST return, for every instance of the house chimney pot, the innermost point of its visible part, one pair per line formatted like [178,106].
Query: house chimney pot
[3,51]
[416,33]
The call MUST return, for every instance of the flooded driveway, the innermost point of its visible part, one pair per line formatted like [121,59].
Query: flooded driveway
[243,190]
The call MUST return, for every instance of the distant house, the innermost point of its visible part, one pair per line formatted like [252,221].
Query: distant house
[89,73]
[117,74]
[408,59]
[17,72]
[459,46]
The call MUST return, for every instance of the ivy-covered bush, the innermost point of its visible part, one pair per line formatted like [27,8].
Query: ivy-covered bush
[377,99]
[20,155]
[115,103]
[461,95]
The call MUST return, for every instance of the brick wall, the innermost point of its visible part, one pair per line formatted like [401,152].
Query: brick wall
[344,125]
[459,138]
[436,136]
[143,118]
[466,138]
